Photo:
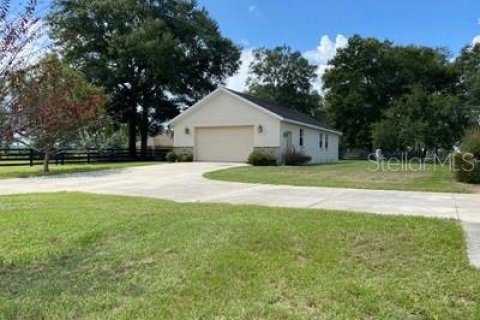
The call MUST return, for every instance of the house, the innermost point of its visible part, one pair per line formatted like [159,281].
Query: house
[227,126]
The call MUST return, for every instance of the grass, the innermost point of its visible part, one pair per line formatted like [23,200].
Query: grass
[7,172]
[74,255]
[347,174]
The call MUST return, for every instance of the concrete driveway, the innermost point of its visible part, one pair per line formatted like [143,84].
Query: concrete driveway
[183,182]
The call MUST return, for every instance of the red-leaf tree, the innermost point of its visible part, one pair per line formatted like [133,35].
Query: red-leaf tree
[21,41]
[53,104]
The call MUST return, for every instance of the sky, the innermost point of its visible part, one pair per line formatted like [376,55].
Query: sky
[318,28]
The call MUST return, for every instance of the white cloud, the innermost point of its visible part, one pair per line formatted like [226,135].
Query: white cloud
[325,51]
[254,10]
[320,56]
[476,40]
[237,82]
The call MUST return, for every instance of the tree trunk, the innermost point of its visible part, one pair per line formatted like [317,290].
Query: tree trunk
[144,133]
[46,160]
[132,133]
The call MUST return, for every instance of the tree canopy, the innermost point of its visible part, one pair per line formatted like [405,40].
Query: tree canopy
[468,65]
[422,120]
[21,32]
[53,104]
[152,57]
[284,76]
[371,82]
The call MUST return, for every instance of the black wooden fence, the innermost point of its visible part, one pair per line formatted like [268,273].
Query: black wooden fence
[22,157]
[359,154]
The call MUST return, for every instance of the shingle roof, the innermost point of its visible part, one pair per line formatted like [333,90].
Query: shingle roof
[284,112]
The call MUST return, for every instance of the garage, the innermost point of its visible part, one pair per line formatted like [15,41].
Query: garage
[226,126]
[233,143]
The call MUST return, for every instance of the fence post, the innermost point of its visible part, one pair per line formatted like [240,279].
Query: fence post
[88,156]
[31,157]
[62,158]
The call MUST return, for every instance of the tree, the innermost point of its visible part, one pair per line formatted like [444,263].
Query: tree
[368,77]
[53,104]
[286,77]
[152,57]
[354,85]
[20,41]
[110,135]
[423,120]
[468,65]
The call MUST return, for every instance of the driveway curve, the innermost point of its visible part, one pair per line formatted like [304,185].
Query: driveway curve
[184,182]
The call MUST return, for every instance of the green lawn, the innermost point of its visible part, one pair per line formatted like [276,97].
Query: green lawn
[7,172]
[80,256]
[346,174]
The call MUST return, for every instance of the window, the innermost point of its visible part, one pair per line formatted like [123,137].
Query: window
[326,141]
[320,141]
[300,142]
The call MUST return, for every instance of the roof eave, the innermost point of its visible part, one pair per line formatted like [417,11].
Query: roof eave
[273,114]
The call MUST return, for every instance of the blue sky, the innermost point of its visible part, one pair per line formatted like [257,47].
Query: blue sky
[318,27]
[301,23]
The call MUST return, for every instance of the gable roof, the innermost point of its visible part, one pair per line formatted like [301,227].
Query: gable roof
[284,112]
[280,112]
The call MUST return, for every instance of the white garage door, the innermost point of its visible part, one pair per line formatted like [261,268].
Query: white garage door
[223,143]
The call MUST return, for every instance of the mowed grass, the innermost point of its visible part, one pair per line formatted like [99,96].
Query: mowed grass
[7,172]
[81,256]
[348,174]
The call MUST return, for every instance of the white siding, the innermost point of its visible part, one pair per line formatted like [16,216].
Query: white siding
[311,142]
[224,110]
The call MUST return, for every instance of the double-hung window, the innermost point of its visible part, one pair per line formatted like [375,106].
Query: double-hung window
[326,141]
[320,141]
[301,138]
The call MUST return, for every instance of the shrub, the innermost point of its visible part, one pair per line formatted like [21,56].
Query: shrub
[262,158]
[185,157]
[293,158]
[471,141]
[171,156]
[467,168]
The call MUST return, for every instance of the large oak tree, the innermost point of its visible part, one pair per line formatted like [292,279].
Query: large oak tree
[152,56]
[369,76]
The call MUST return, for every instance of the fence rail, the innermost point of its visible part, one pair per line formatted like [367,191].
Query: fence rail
[356,154]
[22,157]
